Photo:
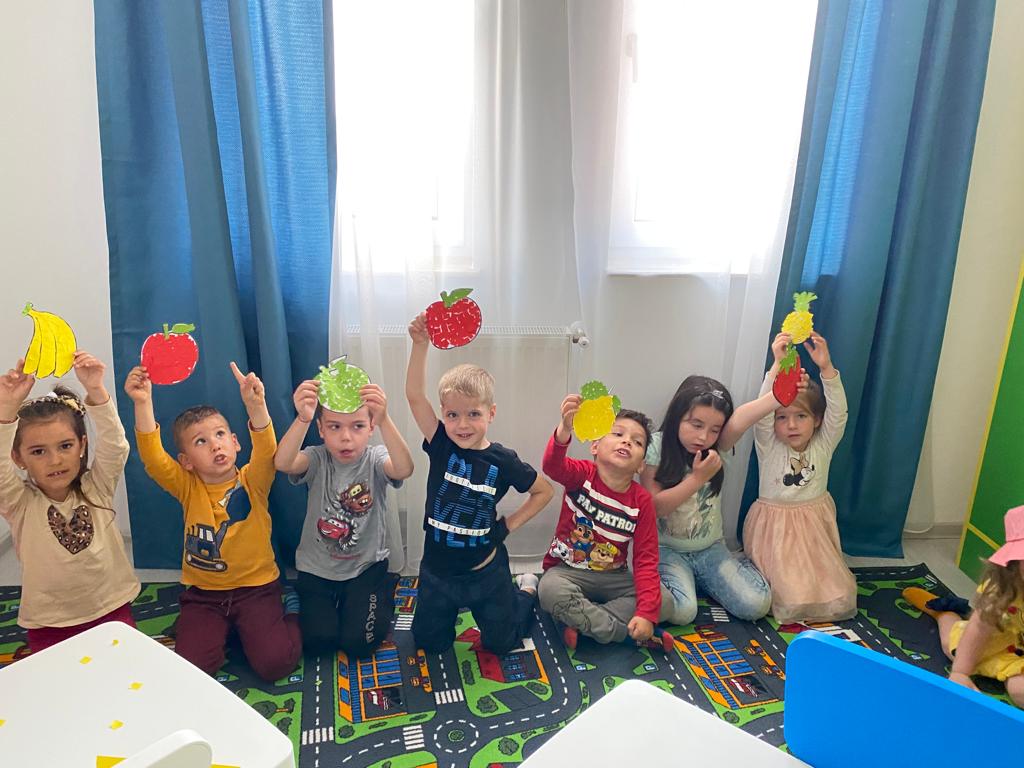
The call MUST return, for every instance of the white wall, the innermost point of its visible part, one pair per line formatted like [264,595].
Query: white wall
[51,197]
[988,264]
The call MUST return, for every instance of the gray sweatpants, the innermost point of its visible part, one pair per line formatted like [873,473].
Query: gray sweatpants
[598,604]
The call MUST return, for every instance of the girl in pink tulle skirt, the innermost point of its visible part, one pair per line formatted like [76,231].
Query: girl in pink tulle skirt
[790,532]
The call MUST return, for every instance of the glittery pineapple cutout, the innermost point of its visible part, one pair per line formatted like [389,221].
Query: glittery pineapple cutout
[340,383]
[800,322]
[597,412]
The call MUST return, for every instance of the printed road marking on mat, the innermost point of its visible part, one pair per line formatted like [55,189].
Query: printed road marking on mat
[413,735]
[449,696]
[317,735]
[719,615]
[404,621]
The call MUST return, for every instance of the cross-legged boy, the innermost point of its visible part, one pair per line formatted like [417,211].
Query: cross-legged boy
[465,563]
[586,584]
[228,564]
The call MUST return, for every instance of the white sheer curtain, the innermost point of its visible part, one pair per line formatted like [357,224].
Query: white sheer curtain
[505,145]
[686,124]
[454,152]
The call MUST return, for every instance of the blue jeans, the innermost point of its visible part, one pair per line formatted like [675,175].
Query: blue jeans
[731,580]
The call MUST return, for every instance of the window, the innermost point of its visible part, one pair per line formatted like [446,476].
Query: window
[404,107]
[711,101]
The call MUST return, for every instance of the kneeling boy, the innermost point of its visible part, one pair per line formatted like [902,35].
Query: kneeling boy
[228,564]
[465,563]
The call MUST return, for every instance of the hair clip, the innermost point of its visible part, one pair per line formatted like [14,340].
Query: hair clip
[67,400]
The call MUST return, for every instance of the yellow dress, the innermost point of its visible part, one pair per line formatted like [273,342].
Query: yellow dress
[1003,654]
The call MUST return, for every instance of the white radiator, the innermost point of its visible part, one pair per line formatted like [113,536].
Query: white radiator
[534,367]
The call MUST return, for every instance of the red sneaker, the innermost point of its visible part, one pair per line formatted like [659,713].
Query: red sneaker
[667,641]
[570,637]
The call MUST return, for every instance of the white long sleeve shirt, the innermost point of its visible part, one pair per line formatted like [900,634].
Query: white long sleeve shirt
[791,476]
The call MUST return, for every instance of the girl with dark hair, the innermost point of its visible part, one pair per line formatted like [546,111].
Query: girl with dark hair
[75,570]
[684,473]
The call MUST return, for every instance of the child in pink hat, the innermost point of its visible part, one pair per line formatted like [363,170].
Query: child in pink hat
[991,642]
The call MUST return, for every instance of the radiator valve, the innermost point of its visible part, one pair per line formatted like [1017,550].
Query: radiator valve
[579,336]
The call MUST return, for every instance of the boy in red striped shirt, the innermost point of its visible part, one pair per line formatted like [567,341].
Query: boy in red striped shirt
[587,585]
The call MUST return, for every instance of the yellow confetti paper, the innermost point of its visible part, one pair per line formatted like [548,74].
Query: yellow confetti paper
[594,419]
[106,761]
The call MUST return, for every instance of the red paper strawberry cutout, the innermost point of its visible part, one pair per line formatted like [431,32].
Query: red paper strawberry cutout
[170,356]
[786,382]
[454,321]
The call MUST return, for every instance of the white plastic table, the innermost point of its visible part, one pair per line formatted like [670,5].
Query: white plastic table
[637,724]
[112,692]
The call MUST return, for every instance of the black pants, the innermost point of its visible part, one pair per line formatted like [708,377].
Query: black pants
[352,616]
[503,613]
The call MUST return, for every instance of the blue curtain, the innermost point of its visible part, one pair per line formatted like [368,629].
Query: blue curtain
[218,187]
[892,108]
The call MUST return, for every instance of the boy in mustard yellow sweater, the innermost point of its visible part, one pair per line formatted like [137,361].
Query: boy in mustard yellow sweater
[228,566]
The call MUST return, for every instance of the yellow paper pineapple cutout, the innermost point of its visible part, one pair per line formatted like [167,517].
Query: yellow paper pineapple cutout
[800,322]
[597,412]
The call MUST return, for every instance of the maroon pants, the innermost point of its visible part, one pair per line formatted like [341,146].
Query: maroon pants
[44,637]
[272,642]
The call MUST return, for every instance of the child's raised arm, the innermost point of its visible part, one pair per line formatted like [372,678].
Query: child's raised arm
[14,388]
[139,388]
[748,414]
[556,464]
[110,449]
[764,428]
[253,397]
[89,371]
[289,458]
[399,464]
[833,425]
[416,378]
[165,471]
[570,406]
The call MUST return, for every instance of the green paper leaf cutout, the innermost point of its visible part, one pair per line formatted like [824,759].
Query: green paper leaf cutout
[458,294]
[616,404]
[791,359]
[340,383]
[593,390]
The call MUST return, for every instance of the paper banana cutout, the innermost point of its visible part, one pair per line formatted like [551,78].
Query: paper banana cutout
[52,349]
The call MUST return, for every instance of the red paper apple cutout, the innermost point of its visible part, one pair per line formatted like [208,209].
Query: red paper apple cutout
[454,321]
[170,356]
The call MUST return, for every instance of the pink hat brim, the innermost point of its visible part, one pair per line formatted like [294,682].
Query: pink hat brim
[1010,551]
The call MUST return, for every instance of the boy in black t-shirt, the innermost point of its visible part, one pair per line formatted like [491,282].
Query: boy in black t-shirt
[465,563]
